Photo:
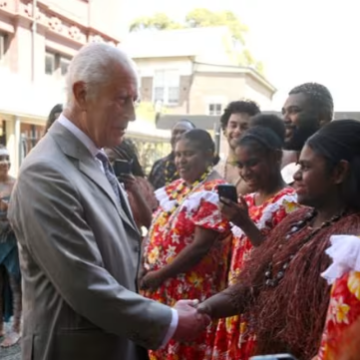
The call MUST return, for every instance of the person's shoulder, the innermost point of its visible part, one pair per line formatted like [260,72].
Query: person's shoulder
[44,159]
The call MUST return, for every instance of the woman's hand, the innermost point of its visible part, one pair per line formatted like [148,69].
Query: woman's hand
[237,213]
[152,280]
[129,182]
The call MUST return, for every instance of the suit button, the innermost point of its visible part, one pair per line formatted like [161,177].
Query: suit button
[136,248]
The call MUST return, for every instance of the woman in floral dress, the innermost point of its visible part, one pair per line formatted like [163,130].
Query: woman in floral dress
[341,339]
[259,158]
[187,249]
[281,283]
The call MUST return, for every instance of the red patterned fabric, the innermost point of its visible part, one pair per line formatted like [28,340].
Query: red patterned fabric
[234,338]
[168,236]
[344,311]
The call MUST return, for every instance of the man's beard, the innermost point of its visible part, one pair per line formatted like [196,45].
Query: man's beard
[308,126]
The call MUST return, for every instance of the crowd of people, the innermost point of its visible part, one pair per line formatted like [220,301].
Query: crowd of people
[277,271]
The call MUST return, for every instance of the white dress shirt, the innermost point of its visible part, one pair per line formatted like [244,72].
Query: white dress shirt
[89,144]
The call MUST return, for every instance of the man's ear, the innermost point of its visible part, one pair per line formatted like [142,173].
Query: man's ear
[80,94]
[325,118]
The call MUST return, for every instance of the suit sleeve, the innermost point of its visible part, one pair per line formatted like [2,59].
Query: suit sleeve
[49,220]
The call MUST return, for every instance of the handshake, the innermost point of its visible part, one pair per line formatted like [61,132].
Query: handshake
[193,319]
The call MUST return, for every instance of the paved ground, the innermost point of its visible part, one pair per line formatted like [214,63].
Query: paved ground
[12,353]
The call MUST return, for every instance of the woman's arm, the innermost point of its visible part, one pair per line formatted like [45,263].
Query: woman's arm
[192,254]
[226,303]
[138,202]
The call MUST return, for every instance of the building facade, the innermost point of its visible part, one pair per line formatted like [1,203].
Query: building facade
[194,74]
[182,72]
[38,38]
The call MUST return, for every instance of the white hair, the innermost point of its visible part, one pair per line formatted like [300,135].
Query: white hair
[92,66]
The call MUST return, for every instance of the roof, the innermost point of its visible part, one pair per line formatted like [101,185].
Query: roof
[172,43]
[208,122]
[232,69]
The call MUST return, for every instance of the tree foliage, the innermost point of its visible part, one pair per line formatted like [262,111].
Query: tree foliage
[158,21]
[205,18]
[202,17]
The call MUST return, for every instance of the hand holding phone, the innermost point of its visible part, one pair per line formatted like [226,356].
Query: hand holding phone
[231,209]
[228,192]
[122,167]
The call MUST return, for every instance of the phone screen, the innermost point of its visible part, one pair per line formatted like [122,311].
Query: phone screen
[228,192]
[122,167]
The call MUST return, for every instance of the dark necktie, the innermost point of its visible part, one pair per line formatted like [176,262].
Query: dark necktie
[110,175]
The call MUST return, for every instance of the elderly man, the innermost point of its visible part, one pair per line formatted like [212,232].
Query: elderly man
[79,246]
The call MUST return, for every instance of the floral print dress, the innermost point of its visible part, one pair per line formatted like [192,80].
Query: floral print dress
[234,338]
[170,233]
[344,306]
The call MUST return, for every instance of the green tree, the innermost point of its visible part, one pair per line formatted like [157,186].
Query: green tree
[159,21]
[202,17]
[205,18]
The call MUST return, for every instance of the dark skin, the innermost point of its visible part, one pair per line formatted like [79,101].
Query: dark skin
[129,182]
[261,173]
[316,186]
[191,164]
[180,128]
[298,107]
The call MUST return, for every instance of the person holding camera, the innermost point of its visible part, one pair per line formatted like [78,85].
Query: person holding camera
[140,192]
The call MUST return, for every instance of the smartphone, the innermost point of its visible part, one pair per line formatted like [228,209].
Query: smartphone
[273,357]
[122,167]
[228,191]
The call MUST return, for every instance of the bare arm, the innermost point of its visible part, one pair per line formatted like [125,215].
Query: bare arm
[219,306]
[138,202]
[191,255]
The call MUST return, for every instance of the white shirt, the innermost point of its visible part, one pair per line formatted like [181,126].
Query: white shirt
[89,144]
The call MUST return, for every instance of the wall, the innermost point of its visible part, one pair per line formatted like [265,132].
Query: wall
[62,27]
[147,68]
[215,87]
[259,93]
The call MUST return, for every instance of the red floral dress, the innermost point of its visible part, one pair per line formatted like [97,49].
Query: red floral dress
[344,311]
[341,338]
[234,338]
[169,235]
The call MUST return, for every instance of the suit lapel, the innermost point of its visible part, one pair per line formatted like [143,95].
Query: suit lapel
[73,147]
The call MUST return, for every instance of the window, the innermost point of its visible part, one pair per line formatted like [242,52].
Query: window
[49,64]
[56,65]
[215,109]
[166,87]
[3,46]
[64,64]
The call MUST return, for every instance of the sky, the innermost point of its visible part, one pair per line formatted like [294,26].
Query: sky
[297,40]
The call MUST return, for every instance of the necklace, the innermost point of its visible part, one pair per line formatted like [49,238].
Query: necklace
[183,190]
[272,279]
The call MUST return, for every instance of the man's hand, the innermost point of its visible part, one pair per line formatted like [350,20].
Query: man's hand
[191,323]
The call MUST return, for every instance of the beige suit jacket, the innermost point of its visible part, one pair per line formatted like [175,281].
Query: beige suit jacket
[79,252]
